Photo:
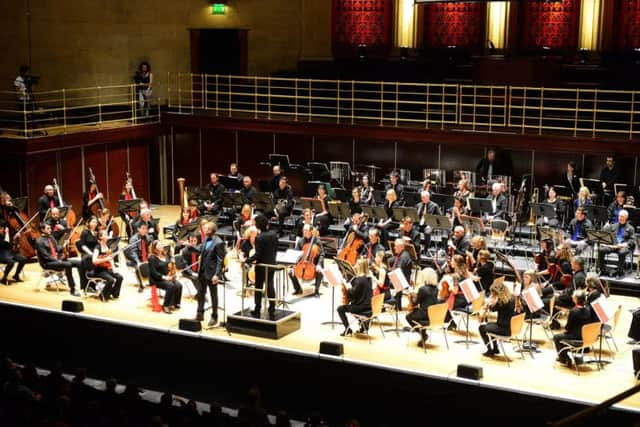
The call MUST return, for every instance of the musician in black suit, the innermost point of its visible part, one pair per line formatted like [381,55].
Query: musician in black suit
[403,261]
[211,268]
[570,179]
[373,246]
[426,296]
[459,242]
[58,225]
[151,223]
[498,202]
[50,256]
[283,197]
[8,256]
[318,261]
[425,208]
[608,177]
[625,234]
[579,316]
[138,250]
[266,249]
[235,176]
[578,282]
[247,190]
[487,167]
[47,201]
[214,204]
[410,234]
[275,179]
[395,185]
[358,296]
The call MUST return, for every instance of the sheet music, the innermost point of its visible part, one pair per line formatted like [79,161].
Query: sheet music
[603,309]
[290,256]
[469,289]
[333,275]
[398,280]
[532,299]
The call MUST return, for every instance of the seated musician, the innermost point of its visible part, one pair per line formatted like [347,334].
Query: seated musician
[87,242]
[275,179]
[372,247]
[51,256]
[58,225]
[106,223]
[402,260]
[323,218]
[463,192]
[456,212]
[576,282]
[395,185]
[89,199]
[594,289]
[190,253]
[578,231]
[358,296]
[152,223]
[500,300]
[558,210]
[570,179]
[613,210]
[307,234]
[159,276]
[128,216]
[283,196]
[7,210]
[579,315]
[247,249]
[185,220]
[138,250]
[235,175]
[410,234]
[8,256]
[103,262]
[244,220]
[355,202]
[427,295]
[530,279]
[356,225]
[498,203]
[625,243]
[307,218]
[583,199]
[425,208]
[485,273]
[478,243]
[248,190]
[385,225]
[449,291]
[48,200]
[459,244]
[213,205]
[542,259]
[366,192]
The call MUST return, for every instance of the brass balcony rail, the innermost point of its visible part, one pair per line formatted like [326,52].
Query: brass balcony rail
[513,109]
[69,110]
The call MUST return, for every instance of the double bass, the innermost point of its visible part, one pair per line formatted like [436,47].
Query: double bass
[305,269]
[97,207]
[71,215]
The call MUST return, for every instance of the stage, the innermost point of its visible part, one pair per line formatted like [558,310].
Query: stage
[399,354]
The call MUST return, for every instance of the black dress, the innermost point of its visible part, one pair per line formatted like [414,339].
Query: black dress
[172,288]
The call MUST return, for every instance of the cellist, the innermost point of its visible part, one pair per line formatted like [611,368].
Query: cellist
[354,239]
[311,251]
[48,200]
[8,255]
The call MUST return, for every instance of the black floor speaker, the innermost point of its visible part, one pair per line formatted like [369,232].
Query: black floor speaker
[470,372]
[636,361]
[72,306]
[189,325]
[332,348]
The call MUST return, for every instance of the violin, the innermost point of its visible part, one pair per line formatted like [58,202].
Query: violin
[305,269]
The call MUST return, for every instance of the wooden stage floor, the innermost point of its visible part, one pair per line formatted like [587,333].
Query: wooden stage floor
[539,376]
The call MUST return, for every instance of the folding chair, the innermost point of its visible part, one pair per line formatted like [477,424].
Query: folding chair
[365,321]
[50,276]
[608,330]
[95,282]
[589,334]
[517,322]
[437,314]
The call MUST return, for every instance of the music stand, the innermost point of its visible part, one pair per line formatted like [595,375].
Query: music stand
[129,205]
[232,200]
[548,233]
[445,201]
[411,198]
[438,222]
[604,313]
[311,203]
[337,209]
[63,213]
[329,246]
[263,202]
[188,229]
[199,193]
[470,293]
[335,278]
[401,213]
[281,160]
[346,269]
[230,182]
[400,283]
[535,304]
[472,223]
[598,237]
[543,210]
[480,206]
[341,194]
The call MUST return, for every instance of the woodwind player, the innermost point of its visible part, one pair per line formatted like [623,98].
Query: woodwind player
[501,301]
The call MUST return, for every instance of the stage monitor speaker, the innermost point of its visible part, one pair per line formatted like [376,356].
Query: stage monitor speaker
[189,325]
[332,348]
[72,306]
[470,372]
[636,361]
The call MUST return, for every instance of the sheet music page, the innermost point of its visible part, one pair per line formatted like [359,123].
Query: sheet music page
[532,299]
[603,309]
[469,289]
[333,275]
[398,280]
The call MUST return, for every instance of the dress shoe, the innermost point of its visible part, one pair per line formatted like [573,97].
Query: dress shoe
[140,289]
[347,332]
[490,353]
[17,279]
[199,318]
[166,310]
[4,281]
[297,292]
[75,293]
[255,313]
[316,294]
[452,327]
[213,322]
[177,307]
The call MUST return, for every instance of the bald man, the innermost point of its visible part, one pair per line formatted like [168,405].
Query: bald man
[625,238]
[47,201]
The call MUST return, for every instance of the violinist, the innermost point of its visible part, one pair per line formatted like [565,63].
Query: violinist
[305,219]
[89,199]
[128,216]
[457,211]
[427,295]
[410,234]
[558,209]
[625,243]
[425,208]
[310,251]
[355,201]
[577,282]
[579,315]
[58,225]
[578,231]
[244,220]
[190,253]
[463,192]
[159,276]
[366,192]
[284,203]
[248,190]
[449,291]
[48,200]
[103,259]
[151,223]
[51,257]
[8,256]
[459,244]
[213,252]
[323,218]
[106,223]
[485,273]
[478,243]
[7,210]
[185,220]
[86,244]
[139,250]
[502,301]
[214,204]
[358,296]
[373,246]
[530,279]
[542,259]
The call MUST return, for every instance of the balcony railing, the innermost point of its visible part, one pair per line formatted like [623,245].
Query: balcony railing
[71,110]
[513,109]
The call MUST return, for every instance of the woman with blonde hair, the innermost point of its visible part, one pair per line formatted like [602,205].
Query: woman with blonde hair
[426,296]
[501,301]
[584,198]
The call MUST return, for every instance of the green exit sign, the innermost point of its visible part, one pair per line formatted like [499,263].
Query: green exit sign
[217,9]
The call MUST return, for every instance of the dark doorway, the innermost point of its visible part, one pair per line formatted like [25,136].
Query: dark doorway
[219,51]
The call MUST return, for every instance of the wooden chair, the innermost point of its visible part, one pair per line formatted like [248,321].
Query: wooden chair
[517,322]
[437,314]
[609,329]
[590,333]
[376,310]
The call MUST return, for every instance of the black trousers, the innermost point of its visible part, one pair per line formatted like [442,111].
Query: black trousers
[202,286]
[11,261]
[113,283]
[569,338]
[67,267]
[493,328]
[282,214]
[350,308]
[418,316]
[264,280]
[634,328]
[296,282]
[172,292]
[622,256]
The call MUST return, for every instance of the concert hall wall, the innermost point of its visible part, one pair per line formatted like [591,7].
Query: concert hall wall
[552,24]
[628,25]
[455,24]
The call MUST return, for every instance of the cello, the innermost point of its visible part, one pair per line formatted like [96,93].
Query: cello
[71,215]
[20,223]
[352,245]
[305,269]
[97,207]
